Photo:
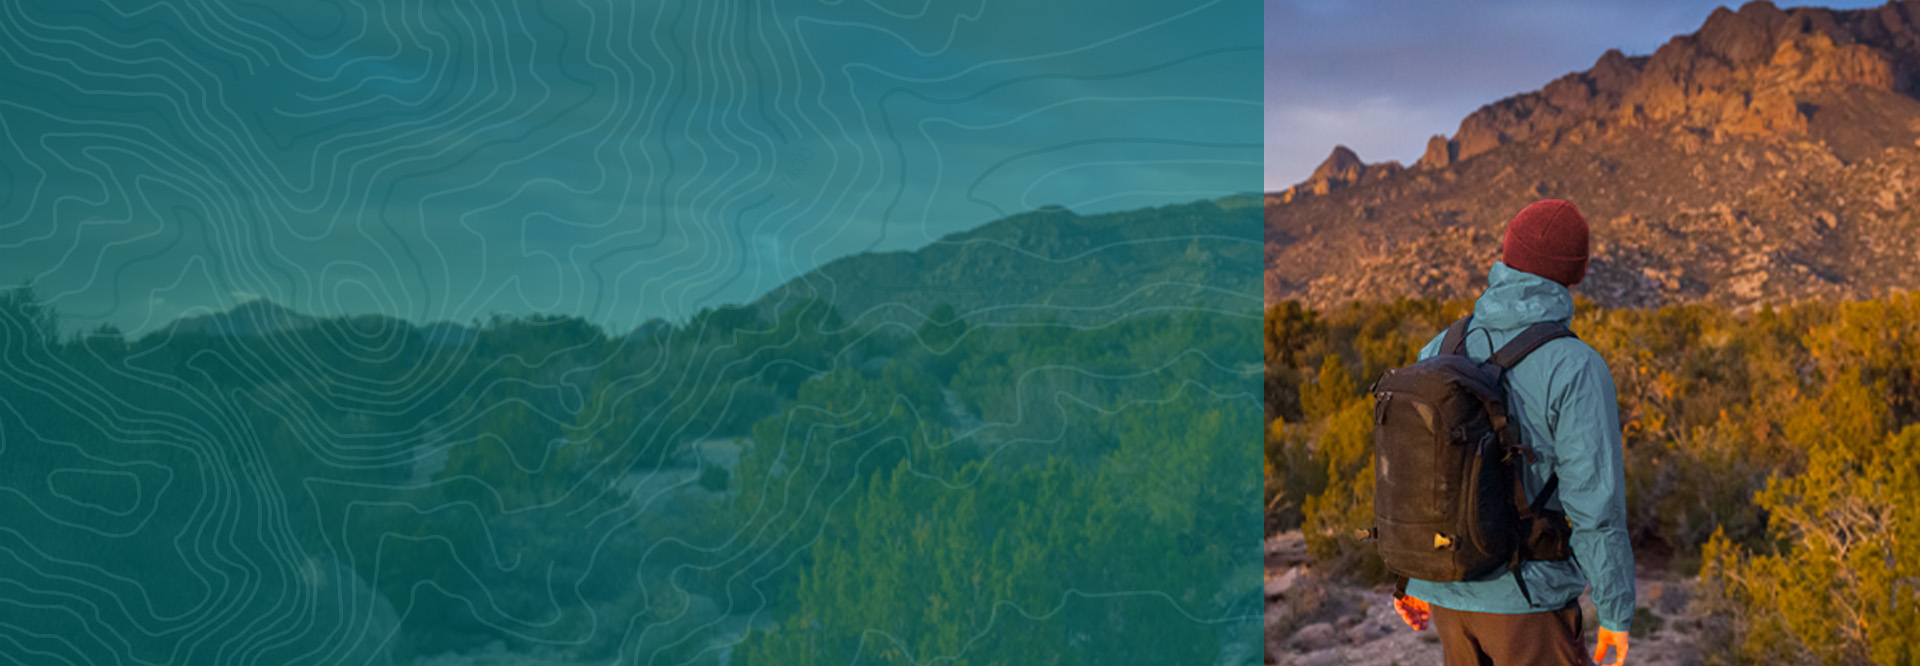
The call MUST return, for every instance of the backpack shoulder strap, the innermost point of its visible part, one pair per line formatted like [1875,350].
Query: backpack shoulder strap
[1455,341]
[1517,349]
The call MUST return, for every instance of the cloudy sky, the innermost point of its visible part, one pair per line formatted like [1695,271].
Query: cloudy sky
[611,159]
[1381,76]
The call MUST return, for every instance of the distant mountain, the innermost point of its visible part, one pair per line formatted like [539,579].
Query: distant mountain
[1770,156]
[1051,262]
[1047,263]
[446,333]
[261,316]
[250,318]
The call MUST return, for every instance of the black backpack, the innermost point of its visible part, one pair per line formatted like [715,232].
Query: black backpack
[1449,502]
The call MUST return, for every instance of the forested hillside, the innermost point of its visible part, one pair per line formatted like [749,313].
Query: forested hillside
[1052,263]
[732,489]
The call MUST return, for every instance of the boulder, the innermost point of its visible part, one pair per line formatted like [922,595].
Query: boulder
[1279,585]
[1314,637]
[1367,632]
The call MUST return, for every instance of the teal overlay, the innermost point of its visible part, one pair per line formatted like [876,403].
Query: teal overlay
[641,333]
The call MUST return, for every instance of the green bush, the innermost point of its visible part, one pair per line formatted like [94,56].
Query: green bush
[1841,582]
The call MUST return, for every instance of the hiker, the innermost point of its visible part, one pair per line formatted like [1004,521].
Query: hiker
[1562,397]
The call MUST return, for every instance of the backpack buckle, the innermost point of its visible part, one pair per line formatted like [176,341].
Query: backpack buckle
[1526,452]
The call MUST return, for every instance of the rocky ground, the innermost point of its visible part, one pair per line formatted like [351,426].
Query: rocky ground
[1312,621]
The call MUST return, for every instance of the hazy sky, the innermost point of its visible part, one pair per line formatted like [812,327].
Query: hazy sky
[1381,76]
[612,159]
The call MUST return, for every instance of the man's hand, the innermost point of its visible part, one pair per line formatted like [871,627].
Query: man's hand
[1617,639]
[1415,613]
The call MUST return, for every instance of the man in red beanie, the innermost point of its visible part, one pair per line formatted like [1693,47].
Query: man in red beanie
[1563,397]
[1548,239]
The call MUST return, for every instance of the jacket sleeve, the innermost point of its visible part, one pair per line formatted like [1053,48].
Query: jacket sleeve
[1586,438]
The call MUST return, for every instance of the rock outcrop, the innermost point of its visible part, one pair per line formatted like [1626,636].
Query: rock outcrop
[1342,169]
[1771,155]
[1441,153]
[1744,72]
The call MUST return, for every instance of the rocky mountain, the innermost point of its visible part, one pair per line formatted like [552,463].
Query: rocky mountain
[1770,156]
[1054,263]
[1341,169]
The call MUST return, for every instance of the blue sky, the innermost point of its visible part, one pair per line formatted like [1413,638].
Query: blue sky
[1381,76]
[614,160]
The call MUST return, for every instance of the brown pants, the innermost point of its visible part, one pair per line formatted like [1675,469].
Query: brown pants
[1547,638]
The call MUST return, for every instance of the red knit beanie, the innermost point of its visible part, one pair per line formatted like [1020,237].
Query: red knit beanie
[1549,239]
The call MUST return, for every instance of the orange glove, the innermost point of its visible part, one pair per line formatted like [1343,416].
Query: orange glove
[1413,611]
[1617,639]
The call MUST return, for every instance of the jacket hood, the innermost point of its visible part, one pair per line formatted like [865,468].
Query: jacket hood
[1516,298]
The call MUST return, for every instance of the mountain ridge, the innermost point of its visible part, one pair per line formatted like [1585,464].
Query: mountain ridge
[1049,263]
[1769,156]
[251,317]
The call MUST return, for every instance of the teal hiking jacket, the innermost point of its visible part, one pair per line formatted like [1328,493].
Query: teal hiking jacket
[1563,397]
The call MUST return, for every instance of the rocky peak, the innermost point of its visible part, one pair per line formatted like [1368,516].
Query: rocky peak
[1614,72]
[1745,72]
[1440,153]
[1341,169]
[1342,165]
[1744,38]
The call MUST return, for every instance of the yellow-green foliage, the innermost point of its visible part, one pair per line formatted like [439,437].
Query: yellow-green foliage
[1293,473]
[1329,390]
[1346,450]
[1775,451]
[1842,583]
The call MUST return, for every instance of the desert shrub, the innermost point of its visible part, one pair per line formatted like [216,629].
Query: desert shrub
[1841,582]
[1292,474]
[1288,329]
[1331,516]
[1330,389]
